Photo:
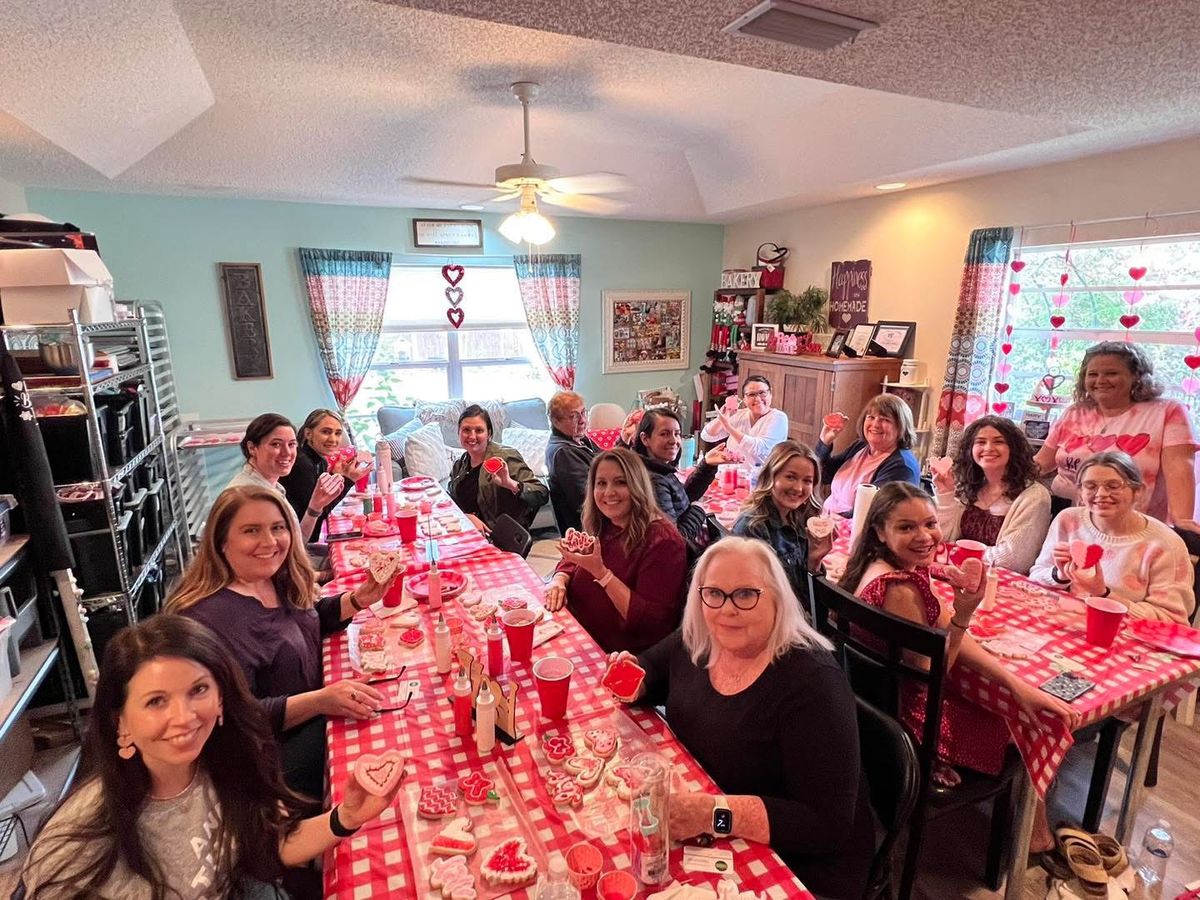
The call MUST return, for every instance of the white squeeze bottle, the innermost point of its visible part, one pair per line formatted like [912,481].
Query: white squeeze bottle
[435,588]
[485,719]
[557,885]
[441,645]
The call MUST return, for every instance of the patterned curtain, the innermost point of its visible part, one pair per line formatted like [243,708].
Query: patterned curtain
[550,292]
[973,346]
[347,290]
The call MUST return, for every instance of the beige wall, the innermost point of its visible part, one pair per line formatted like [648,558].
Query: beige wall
[916,239]
[12,197]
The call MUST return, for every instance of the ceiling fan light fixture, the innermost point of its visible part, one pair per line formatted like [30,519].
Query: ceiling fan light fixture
[527,225]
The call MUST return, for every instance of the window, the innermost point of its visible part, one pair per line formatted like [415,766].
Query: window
[1097,294]
[422,356]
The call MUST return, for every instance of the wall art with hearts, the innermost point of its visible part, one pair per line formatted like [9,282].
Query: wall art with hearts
[849,291]
[453,274]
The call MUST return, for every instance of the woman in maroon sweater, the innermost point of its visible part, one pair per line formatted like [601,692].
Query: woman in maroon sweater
[627,591]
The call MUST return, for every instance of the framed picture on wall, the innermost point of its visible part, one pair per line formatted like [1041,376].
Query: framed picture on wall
[893,339]
[645,331]
[860,339]
[761,336]
[246,320]
[837,343]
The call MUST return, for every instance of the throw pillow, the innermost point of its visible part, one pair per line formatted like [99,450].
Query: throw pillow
[398,438]
[531,444]
[426,453]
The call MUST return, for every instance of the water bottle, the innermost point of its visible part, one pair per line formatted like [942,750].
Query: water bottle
[557,885]
[1156,850]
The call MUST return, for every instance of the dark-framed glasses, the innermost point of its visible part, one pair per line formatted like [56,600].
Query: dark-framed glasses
[743,598]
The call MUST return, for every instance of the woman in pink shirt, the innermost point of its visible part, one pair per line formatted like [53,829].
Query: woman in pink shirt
[1118,406]
[879,456]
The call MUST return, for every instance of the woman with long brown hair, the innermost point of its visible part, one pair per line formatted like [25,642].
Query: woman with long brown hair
[322,437]
[181,794]
[627,590]
[252,584]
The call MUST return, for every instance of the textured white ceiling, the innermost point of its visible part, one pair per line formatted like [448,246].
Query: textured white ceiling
[345,101]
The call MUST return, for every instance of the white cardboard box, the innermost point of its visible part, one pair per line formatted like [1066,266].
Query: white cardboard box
[40,286]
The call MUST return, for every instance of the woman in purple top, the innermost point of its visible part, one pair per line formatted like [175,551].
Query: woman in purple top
[252,584]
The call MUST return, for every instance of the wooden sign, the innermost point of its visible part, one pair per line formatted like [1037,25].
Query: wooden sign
[849,288]
[246,318]
[506,699]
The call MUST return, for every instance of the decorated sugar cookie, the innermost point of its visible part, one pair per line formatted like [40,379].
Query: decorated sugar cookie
[601,741]
[379,773]
[452,877]
[509,864]
[476,788]
[437,801]
[557,747]
[411,637]
[384,564]
[585,769]
[455,839]
[625,778]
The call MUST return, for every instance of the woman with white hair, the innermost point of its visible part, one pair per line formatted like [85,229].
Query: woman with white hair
[753,691]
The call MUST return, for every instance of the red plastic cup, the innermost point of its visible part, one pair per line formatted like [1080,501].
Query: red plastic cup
[425,506]
[1104,619]
[363,483]
[616,886]
[964,550]
[406,521]
[584,862]
[552,675]
[518,626]
[393,596]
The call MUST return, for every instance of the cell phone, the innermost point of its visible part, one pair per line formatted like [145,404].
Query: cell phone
[1067,687]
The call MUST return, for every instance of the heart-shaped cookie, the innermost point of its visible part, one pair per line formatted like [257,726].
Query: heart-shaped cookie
[1085,555]
[455,839]
[475,788]
[558,747]
[384,564]
[509,863]
[601,741]
[379,773]
[437,801]
[625,779]
[820,527]
[585,769]
[967,577]
[453,878]
[941,465]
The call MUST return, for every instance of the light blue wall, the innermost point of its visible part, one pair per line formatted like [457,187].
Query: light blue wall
[166,249]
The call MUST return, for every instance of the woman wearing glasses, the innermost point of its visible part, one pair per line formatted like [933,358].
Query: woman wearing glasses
[747,683]
[755,428]
[1144,564]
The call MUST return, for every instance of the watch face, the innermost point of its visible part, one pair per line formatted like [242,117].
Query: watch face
[722,821]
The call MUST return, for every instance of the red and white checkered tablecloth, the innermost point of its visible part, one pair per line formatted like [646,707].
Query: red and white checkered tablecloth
[1023,605]
[377,862]
[604,438]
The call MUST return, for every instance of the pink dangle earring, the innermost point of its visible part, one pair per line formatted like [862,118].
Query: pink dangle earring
[125,746]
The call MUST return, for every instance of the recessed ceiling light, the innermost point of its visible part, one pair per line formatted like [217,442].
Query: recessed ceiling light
[471,207]
[891,186]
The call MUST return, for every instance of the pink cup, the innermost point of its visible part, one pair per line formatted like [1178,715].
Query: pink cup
[1104,619]
[518,626]
[406,520]
[616,886]
[393,596]
[553,678]
[425,506]
[584,862]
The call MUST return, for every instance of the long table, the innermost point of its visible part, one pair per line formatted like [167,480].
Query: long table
[380,861]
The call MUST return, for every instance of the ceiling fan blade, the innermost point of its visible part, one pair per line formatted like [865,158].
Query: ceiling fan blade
[592,183]
[457,184]
[500,199]
[600,206]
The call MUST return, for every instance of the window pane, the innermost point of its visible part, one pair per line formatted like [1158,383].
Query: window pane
[411,346]
[393,387]
[417,296]
[499,343]
[511,382]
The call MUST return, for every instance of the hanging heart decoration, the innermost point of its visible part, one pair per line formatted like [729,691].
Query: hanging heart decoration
[1062,279]
[455,315]
[1004,368]
[1060,300]
[999,408]
[1053,381]
[1130,320]
[1197,334]
[453,274]
[1192,361]
[1001,387]
[454,295]
[1006,348]
[1133,298]
[1137,273]
[1017,265]
[1190,385]
[1008,331]
[1014,288]
[1054,341]
[1057,321]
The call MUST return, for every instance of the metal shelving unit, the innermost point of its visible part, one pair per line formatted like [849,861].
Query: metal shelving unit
[191,457]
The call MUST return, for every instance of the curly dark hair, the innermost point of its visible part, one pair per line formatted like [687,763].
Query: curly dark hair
[1145,386]
[1020,472]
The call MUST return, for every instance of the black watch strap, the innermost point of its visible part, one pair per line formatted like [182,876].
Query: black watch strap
[336,826]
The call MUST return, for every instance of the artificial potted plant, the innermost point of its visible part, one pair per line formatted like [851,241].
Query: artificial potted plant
[798,314]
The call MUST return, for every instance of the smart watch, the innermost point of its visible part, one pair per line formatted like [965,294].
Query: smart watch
[722,818]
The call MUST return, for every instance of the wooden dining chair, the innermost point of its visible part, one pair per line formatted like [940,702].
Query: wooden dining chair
[880,652]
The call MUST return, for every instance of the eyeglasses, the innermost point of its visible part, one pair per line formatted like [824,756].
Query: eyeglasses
[1092,488]
[742,598]
[754,395]
[577,416]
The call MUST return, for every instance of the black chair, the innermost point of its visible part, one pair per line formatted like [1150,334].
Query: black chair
[880,652]
[508,534]
[893,772]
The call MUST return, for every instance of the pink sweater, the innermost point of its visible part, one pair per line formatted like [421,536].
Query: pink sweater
[1149,571]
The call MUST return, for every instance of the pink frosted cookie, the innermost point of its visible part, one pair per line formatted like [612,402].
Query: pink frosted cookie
[557,747]
[370,640]
[379,773]
[452,877]
[820,527]
[476,787]
[384,564]
[483,611]
[566,792]
[967,577]
[626,779]
[1085,555]
[514,603]
[455,839]
[437,801]
[411,637]
[578,541]
[509,863]
[585,769]
[601,741]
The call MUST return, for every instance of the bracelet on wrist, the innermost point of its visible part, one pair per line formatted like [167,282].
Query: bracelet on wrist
[315,513]
[1054,573]
[1107,591]
[604,579]
[336,826]
[955,624]
[354,601]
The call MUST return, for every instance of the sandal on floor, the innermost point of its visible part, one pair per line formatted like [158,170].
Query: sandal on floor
[1112,854]
[1054,864]
[1085,863]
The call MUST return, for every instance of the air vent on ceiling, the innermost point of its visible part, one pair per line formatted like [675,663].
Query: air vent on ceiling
[798,24]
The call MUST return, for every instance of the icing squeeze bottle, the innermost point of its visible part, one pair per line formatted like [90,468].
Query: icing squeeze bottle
[462,705]
[495,648]
[441,645]
[485,719]
[435,588]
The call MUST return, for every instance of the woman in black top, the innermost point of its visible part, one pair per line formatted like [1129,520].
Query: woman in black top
[779,508]
[321,437]
[754,693]
[658,441]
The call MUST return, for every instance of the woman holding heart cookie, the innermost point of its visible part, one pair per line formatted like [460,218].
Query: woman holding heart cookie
[184,795]
[252,584]
[753,429]
[783,511]
[1107,548]
[880,455]
[321,452]
[989,493]
[491,480]
[889,568]
[1119,406]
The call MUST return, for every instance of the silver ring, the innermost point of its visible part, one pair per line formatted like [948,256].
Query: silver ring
[354,696]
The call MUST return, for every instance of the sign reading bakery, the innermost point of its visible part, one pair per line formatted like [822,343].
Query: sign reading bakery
[849,288]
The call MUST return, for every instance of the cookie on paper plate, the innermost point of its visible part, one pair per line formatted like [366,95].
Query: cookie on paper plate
[509,863]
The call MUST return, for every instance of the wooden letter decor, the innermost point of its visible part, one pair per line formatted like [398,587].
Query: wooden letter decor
[506,698]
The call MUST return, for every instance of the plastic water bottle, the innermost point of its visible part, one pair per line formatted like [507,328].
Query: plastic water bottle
[557,885]
[1156,850]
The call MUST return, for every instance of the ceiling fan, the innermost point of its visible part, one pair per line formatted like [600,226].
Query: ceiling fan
[529,180]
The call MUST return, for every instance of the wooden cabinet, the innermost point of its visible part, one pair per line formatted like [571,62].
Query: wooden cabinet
[808,388]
